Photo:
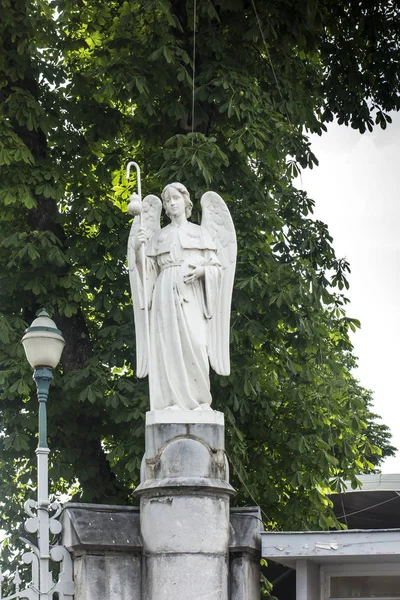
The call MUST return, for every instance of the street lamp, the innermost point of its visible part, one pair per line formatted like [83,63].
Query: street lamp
[43,344]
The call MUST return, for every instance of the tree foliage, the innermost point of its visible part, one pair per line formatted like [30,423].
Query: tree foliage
[86,85]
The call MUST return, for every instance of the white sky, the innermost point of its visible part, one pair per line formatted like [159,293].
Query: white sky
[355,190]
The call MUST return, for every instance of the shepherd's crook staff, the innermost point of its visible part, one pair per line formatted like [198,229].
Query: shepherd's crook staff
[136,209]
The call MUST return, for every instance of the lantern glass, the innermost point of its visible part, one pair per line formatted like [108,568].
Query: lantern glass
[43,342]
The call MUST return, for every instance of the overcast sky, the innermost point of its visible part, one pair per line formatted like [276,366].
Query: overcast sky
[356,192]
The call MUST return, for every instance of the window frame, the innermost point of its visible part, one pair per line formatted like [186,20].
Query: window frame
[356,569]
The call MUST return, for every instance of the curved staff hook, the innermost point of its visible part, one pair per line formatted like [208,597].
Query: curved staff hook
[128,172]
[135,208]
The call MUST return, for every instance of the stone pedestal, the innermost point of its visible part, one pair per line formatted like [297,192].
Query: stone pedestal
[184,506]
[184,543]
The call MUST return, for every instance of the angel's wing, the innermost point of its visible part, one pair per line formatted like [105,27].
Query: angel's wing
[217,219]
[151,211]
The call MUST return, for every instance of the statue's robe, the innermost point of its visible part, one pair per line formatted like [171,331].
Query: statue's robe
[179,365]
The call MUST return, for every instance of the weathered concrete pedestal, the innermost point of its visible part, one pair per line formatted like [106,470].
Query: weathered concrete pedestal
[188,543]
[184,506]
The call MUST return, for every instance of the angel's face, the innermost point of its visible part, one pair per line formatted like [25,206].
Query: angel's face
[174,203]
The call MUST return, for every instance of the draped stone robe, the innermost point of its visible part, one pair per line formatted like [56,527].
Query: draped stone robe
[179,365]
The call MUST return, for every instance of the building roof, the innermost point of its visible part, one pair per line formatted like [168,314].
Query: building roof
[330,547]
[376,505]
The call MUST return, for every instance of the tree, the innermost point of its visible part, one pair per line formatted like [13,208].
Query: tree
[84,86]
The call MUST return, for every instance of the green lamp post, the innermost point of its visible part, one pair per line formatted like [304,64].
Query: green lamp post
[43,344]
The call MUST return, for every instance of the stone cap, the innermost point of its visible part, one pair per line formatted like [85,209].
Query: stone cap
[101,527]
[213,417]
[246,528]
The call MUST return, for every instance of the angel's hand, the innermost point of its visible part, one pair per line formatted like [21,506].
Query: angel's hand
[141,238]
[197,272]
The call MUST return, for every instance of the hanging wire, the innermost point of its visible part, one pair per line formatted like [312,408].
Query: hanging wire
[356,512]
[267,52]
[264,514]
[344,516]
[194,61]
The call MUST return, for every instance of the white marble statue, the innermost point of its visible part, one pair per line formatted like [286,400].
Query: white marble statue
[189,271]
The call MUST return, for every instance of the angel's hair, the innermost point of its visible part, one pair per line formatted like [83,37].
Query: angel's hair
[182,190]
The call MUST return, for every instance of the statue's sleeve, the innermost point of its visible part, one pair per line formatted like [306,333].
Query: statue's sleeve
[146,276]
[212,283]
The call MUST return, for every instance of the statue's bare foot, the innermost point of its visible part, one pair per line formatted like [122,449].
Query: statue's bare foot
[203,407]
[172,407]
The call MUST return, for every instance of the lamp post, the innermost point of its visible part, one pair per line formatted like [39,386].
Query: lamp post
[43,344]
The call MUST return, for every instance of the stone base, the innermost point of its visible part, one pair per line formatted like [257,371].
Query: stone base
[107,552]
[189,445]
[188,544]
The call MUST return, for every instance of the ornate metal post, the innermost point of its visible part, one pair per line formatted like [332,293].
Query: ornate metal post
[43,377]
[43,344]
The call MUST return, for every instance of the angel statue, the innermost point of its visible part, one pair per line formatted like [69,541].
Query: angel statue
[181,279]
